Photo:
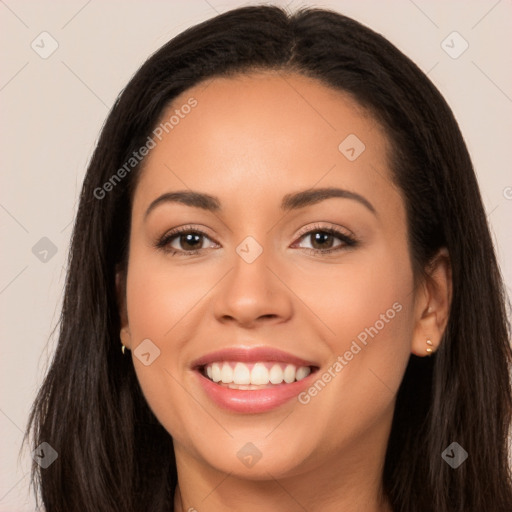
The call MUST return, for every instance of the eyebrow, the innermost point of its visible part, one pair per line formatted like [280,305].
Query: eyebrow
[289,202]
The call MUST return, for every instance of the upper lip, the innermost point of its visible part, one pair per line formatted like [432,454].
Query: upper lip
[251,355]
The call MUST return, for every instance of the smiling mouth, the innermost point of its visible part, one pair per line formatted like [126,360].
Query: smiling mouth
[254,376]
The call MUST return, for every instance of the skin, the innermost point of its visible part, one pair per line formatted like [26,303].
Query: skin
[251,140]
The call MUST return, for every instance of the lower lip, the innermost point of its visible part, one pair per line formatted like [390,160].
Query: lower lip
[253,401]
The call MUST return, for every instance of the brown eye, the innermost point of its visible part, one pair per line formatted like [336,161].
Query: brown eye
[323,240]
[185,241]
[190,241]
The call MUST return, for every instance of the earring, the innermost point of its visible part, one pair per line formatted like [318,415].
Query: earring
[429,348]
[123,348]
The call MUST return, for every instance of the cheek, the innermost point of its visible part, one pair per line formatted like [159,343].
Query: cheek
[155,315]
[369,290]
[161,295]
[367,305]
[157,304]
[176,410]
[378,319]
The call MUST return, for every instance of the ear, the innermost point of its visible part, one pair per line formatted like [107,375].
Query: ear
[432,304]
[125,333]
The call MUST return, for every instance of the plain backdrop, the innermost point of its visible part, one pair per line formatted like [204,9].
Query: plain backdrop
[52,110]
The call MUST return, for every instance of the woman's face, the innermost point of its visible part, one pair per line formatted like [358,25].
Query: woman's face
[313,288]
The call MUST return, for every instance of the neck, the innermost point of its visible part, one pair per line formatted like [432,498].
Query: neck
[275,496]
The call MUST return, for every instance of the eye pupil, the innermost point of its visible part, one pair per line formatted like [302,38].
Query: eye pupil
[189,239]
[320,237]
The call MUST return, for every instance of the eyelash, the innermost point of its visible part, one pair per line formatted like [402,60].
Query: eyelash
[164,242]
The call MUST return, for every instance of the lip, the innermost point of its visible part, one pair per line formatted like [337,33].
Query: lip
[252,401]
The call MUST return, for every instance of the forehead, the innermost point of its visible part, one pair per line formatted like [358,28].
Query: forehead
[266,130]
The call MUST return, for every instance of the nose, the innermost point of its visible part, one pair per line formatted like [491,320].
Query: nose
[254,293]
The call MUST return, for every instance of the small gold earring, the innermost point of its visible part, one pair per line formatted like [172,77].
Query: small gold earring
[429,348]
[123,348]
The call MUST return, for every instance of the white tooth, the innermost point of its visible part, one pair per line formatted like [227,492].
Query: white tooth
[276,374]
[259,374]
[241,374]
[227,373]
[289,373]
[216,373]
[243,387]
[209,371]
[302,372]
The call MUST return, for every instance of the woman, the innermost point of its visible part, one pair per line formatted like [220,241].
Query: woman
[282,292]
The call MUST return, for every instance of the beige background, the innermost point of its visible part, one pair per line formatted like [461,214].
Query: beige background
[52,110]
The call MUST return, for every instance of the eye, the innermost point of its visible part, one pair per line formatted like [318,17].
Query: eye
[183,240]
[188,241]
[323,240]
